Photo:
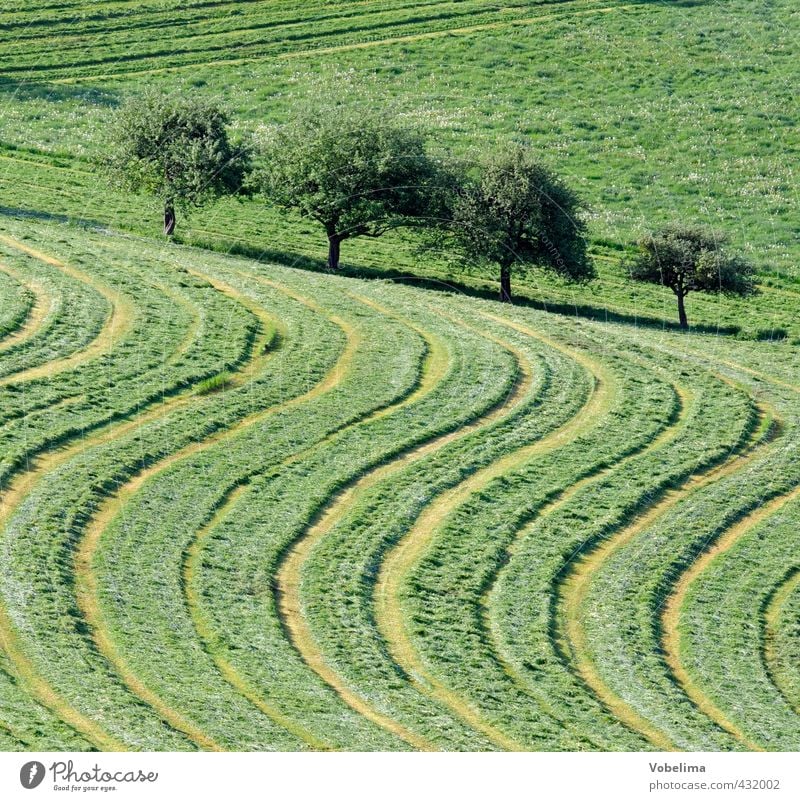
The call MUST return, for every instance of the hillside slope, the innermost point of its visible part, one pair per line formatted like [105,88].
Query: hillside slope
[695,123]
[265,509]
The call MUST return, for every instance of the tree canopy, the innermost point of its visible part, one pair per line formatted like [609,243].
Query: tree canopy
[356,171]
[688,259]
[177,149]
[515,212]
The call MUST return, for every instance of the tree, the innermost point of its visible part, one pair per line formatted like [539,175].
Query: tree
[176,149]
[357,171]
[515,211]
[691,259]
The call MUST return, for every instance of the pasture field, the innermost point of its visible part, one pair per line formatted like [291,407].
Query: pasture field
[695,121]
[249,505]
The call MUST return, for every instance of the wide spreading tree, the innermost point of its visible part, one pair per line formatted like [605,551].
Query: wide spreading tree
[689,258]
[357,170]
[513,212]
[177,149]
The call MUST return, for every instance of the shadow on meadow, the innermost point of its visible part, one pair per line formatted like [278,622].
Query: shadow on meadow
[56,93]
[672,3]
[488,291]
[585,311]
[45,216]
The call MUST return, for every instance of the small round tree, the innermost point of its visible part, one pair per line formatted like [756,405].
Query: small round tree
[691,259]
[356,171]
[516,213]
[176,149]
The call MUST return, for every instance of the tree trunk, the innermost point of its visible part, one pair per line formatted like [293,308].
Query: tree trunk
[169,218]
[334,247]
[505,283]
[682,311]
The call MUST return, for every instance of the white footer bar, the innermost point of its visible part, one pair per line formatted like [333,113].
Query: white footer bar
[411,777]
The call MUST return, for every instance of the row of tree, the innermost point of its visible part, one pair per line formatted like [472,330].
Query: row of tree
[361,173]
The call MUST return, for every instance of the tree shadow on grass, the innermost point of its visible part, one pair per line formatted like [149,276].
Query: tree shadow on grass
[56,92]
[484,290]
[672,3]
[46,216]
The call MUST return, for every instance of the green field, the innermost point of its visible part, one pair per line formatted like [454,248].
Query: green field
[249,505]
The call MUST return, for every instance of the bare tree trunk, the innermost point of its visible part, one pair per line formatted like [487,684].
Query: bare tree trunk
[169,218]
[505,283]
[682,311]
[334,247]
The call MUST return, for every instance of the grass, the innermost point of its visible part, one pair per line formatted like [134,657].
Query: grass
[320,487]
[763,716]
[779,636]
[135,360]
[104,468]
[700,170]
[285,427]
[395,618]
[64,321]
[216,383]
[379,516]
[279,499]
[247,505]
[472,537]
[640,569]
[22,309]
[577,602]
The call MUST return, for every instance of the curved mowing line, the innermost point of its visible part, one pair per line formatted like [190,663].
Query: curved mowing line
[771,633]
[434,368]
[41,464]
[106,432]
[85,579]
[563,498]
[14,496]
[670,614]
[208,635]
[270,330]
[46,695]
[120,319]
[42,306]
[672,610]
[405,556]
[289,573]
[772,609]
[86,593]
[769,379]
[575,586]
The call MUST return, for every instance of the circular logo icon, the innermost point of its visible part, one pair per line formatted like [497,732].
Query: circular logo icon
[31,774]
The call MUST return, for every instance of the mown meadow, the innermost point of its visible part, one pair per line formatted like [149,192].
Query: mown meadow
[247,504]
[695,121]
